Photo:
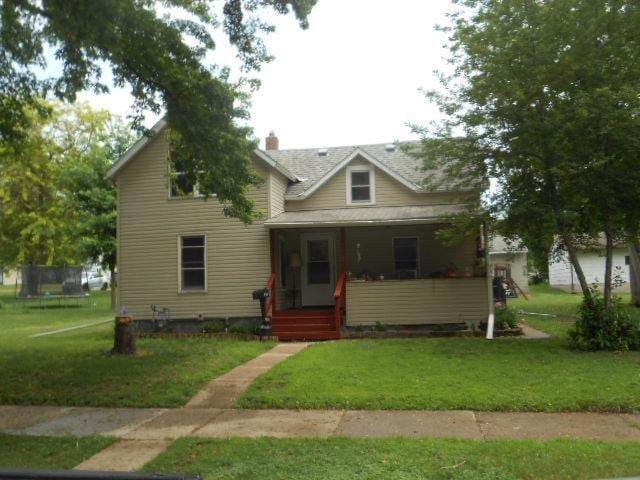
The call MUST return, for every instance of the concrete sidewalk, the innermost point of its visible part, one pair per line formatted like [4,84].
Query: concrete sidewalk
[161,424]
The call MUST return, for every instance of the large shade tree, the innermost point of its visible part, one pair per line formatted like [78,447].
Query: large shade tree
[160,49]
[56,204]
[546,97]
[34,216]
[87,142]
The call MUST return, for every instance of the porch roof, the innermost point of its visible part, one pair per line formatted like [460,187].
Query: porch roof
[363,216]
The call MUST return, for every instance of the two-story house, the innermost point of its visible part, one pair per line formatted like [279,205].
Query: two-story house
[348,239]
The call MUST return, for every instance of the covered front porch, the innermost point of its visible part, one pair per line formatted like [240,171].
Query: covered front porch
[334,275]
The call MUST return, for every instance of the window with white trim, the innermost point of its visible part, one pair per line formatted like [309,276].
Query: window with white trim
[405,256]
[360,185]
[193,265]
[180,184]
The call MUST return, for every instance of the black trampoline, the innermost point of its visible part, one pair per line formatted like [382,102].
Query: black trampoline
[48,285]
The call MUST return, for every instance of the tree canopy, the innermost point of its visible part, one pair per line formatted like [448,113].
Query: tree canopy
[544,98]
[159,48]
[56,205]
[33,215]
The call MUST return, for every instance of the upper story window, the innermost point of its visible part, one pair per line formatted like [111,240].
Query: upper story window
[193,265]
[405,256]
[361,185]
[179,184]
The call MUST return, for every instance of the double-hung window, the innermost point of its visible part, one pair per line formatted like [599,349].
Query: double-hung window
[405,256]
[180,185]
[193,264]
[360,185]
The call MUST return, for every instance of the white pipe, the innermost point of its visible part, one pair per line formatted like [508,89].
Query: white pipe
[485,234]
[490,327]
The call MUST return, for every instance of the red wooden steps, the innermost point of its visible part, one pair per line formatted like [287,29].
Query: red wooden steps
[304,325]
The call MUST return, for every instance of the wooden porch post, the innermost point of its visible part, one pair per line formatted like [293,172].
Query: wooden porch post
[272,245]
[343,249]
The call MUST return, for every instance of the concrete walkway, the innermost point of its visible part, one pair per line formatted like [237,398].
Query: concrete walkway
[145,436]
[224,391]
[531,333]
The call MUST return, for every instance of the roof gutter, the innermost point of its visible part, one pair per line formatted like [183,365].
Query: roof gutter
[354,223]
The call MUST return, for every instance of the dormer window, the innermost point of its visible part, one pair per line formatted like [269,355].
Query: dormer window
[361,185]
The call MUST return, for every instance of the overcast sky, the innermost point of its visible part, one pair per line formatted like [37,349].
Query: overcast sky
[351,78]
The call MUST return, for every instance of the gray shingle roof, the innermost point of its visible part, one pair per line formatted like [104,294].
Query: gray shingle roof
[311,167]
[365,215]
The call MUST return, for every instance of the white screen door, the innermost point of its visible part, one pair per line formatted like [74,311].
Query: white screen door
[318,269]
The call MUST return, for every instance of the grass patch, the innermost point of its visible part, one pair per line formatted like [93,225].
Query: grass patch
[21,451]
[339,458]
[75,368]
[545,299]
[507,374]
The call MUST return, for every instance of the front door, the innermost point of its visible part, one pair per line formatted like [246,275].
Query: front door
[318,269]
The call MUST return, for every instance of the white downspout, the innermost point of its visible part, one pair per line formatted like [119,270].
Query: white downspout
[490,320]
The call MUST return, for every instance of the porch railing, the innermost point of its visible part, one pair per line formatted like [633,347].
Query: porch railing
[271,286]
[339,297]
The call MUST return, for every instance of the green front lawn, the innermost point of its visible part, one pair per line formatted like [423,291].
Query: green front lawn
[18,451]
[75,368]
[339,458]
[545,299]
[510,374]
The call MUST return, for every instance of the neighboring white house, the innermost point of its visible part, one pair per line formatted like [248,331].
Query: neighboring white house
[592,260]
[8,278]
[509,260]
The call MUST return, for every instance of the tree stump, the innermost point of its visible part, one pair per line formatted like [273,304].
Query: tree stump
[124,341]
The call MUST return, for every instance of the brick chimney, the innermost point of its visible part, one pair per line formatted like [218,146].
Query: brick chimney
[271,142]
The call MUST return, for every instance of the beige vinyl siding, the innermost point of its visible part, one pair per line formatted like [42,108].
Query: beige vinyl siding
[376,250]
[150,224]
[389,192]
[277,190]
[413,302]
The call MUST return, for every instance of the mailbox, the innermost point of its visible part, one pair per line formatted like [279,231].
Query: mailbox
[260,294]
[265,327]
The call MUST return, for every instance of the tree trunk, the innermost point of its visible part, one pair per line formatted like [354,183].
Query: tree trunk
[124,341]
[582,279]
[608,268]
[113,284]
[634,272]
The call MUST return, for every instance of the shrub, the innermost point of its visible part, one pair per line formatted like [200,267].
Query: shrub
[380,327]
[247,329]
[506,317]
[213,326]
[599,328]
